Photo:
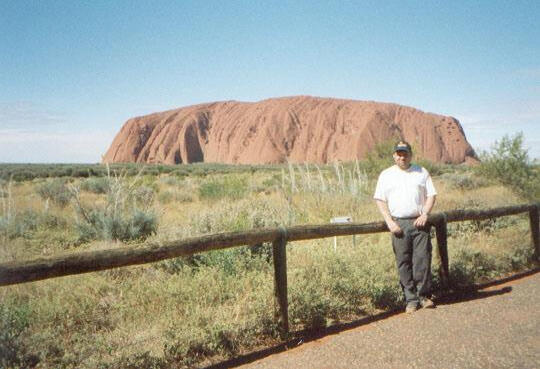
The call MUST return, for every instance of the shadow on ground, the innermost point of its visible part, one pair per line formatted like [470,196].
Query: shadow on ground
[298,338]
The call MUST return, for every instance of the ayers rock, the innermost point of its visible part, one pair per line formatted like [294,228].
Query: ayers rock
[297,129]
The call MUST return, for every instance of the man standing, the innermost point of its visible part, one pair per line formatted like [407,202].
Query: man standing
[405,195]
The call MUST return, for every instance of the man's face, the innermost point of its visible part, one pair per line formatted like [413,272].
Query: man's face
[402,159]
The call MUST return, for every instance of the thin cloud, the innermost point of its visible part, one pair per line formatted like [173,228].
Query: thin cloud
[26,114]
[484,127]
[28,146]
[508,113]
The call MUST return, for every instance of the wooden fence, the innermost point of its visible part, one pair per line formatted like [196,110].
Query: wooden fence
[91,261]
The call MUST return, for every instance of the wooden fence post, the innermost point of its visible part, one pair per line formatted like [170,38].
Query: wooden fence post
[280,283]
[442,247]
[535,232]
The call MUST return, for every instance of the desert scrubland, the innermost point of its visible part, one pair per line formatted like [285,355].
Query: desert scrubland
[209,307]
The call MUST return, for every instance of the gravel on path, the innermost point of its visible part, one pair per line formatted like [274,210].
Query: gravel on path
[497,327]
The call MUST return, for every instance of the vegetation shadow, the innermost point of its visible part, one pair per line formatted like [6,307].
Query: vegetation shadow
[476,291]
[298,338]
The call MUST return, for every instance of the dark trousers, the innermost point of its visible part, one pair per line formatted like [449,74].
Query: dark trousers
[413,258]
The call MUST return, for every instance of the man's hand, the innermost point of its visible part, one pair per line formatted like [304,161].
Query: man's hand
[394,228]
[390,223]
[420,221]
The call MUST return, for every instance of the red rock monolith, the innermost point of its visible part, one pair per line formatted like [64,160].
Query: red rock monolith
[296,129]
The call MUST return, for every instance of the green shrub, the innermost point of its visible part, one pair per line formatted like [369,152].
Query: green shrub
[184,197]
[140,360]
[238,216]
[273,181]
[229,261]
[14,321]
[309,305]
[55,191]
[471,228]
[509,163]
[434,169]
[521,258]
[125,216]
[26,222]
[171,180]
[165,197]
[469,266]
[384,295]
[24,175]
[101,225]
[98,185]
[379,158]
[144,194]
[231,187]
[464,181]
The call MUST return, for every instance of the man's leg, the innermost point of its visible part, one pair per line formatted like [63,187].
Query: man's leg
[421,261]
[403,250]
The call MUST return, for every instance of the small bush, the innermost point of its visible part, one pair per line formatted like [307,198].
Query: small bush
[14,321]
[379,158]
[231,187]
[471,228]
[273,181]
[125,215]
[141,360]
[469,266]
[509,163]
[23,175]
[98,185]
[310,306]
[184,197]
[26,223]
[144,194]
[55,191]
[165,197]
[101,225]
[238,216]
[171,180]
[464,181]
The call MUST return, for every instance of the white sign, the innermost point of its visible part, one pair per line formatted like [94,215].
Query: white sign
[345,219]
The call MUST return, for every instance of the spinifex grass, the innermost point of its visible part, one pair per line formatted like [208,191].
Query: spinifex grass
[189,311]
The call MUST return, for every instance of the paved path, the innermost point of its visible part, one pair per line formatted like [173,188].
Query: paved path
[497,327]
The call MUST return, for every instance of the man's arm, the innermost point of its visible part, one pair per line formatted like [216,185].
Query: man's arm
[422,219]
[392,225]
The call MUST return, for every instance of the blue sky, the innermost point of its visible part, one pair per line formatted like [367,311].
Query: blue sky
[72,72]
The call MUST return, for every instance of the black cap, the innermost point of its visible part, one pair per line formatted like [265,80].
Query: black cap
[403,146]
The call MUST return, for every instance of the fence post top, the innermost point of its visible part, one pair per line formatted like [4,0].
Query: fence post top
[283,233]
[444,217]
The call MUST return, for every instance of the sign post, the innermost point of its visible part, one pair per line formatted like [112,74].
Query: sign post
[341,220]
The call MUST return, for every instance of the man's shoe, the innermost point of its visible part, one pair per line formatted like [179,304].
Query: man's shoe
[411,307]
[427,303]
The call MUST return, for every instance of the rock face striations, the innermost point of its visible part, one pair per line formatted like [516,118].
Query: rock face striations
[298,129]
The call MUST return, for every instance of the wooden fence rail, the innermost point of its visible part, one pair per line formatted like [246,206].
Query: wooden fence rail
[90,261]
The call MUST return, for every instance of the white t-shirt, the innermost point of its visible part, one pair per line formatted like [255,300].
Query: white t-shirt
[405,191]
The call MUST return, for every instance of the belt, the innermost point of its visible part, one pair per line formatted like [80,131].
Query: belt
[405,218]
